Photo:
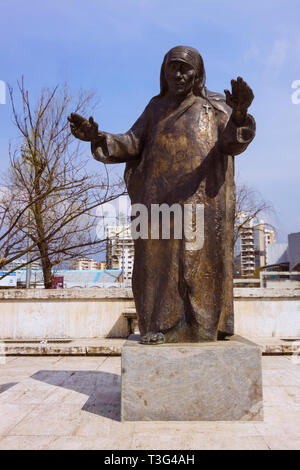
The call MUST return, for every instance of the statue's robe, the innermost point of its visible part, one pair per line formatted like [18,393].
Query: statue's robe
[183,155]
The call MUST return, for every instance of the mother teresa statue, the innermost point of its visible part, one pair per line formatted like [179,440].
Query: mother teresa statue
[180,153]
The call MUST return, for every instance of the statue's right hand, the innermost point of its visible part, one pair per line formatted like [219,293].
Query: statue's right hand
[82,128]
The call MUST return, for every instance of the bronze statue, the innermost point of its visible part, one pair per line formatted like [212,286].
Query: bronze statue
[181,150]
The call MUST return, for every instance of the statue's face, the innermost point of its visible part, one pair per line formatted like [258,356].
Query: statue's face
[180,77]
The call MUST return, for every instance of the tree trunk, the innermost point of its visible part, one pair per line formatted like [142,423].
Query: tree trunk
[46,265]
[47,275]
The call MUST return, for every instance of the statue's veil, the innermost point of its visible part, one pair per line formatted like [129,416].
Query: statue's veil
[191,56]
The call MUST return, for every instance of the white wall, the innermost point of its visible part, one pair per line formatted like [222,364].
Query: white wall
[72,313]
[267,313]
[94,313]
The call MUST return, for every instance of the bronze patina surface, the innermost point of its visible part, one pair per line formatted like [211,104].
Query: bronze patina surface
[181,150]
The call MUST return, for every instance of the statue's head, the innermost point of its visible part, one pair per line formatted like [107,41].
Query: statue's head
[182,71]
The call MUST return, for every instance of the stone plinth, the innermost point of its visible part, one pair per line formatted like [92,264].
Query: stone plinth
[219,381]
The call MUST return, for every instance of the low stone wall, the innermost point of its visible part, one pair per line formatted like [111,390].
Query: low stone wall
[98,313]
[65,313]
[267,312]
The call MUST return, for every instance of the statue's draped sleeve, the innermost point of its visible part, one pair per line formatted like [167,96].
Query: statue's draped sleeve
[234,139]
[121,148]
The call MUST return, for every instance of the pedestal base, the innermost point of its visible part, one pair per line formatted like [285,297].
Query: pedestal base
[219,381]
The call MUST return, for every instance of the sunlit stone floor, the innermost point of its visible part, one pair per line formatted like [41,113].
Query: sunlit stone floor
[74,403]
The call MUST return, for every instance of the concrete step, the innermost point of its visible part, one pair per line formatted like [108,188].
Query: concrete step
[68,347]
[113,347]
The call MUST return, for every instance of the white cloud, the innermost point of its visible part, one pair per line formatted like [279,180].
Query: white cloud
[278,54]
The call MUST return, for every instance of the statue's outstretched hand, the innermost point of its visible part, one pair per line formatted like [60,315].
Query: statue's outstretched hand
[82,128]
[239,99]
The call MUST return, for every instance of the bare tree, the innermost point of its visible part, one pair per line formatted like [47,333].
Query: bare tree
[51,200]
[13,242]
[250,204]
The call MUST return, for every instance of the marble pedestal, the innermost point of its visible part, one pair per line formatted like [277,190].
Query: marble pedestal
[219,381]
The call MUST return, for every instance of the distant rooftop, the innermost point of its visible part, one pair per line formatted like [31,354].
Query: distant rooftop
[277,253]
[77,276]
[286,253]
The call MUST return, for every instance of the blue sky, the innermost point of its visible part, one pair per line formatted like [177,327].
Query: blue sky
[116,48]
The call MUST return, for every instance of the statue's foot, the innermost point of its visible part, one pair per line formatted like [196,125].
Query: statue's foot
[222,335]
[153,338]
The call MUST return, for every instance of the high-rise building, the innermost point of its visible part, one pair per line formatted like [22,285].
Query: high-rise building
[250,251]
[120,249]
[269,240]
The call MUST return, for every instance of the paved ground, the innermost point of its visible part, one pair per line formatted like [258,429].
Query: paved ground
[74,403]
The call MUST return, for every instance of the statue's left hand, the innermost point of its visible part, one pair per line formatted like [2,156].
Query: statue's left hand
[239,99]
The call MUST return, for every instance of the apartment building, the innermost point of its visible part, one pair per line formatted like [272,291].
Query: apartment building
[85,264]
[120,249]
[250,251]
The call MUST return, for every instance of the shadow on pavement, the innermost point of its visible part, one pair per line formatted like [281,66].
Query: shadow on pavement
[102,388]
[4,387]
